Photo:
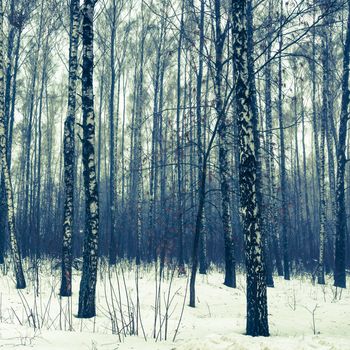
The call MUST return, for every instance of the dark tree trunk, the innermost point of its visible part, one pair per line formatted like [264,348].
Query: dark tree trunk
[341,226]
[283,172]
[230,269]
[202,254]
[112,155]
[323,117]
[87,290]
[308,234]
[315,127]
[179,151]
[69,153]
[138,147]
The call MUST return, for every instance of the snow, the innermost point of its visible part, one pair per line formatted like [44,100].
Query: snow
[217,323]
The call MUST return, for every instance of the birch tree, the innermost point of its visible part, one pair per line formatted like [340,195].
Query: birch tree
[257,321]
[87,307]
[270,154]
[341,225]
[324,116]
[15,251]
[69,152]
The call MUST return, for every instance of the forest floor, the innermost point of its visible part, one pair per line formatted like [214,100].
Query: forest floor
[301,315]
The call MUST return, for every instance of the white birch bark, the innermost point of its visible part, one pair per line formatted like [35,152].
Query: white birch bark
[15,251]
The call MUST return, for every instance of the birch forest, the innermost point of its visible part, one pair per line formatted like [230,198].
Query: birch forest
[174,174]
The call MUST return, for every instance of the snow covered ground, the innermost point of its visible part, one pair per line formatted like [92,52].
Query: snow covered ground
[301,316]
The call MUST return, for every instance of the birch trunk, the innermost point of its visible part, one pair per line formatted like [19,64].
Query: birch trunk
[324,116]
[69,153]
[255,118]
[10,44]
[341,226]
[257,322]
[270,157]
[15,251]
[138,148]
[87,290]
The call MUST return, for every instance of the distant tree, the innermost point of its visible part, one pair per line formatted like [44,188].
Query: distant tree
[179,151]
[199,129]
[283,170]
[272,217]
[113,140]
[324,117]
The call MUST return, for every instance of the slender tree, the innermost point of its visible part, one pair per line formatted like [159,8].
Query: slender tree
[178,148]
[138,144]
[283,171]
[15,251]
[199,122]
[323,117]
[69,152]
[87,290]
[220,35]
[341,226]
[112,129]
[270,154]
